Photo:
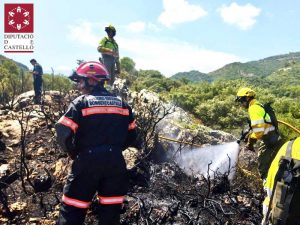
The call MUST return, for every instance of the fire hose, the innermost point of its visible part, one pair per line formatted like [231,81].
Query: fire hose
[177,141]
[289,126]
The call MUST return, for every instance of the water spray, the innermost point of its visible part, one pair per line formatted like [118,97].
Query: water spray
[210,160]
[221,159]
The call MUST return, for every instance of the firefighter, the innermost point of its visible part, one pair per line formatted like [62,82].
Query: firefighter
[94,131]
[109,50]
[283,187]
[261,129]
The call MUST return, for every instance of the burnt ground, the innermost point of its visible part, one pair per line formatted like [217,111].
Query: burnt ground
[33,171]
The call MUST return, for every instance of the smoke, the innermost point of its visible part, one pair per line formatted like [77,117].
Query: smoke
[223,158]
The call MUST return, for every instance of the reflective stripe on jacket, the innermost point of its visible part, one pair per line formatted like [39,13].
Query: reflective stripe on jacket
[269,183]
[100,118]
[258,124]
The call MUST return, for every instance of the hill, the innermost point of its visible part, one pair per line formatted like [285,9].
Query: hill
[193,76]
[289,75]
[263,67]
[20,65]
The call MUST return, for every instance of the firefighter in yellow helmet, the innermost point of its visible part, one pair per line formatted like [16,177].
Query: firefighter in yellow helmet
[109,50]
[261,129]
[281,205]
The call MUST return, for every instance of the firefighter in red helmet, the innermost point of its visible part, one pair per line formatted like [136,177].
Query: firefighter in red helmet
[94,131]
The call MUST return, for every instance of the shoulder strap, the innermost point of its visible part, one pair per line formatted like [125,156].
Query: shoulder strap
[289,149]
[261,105]
[113,42]
[106,40]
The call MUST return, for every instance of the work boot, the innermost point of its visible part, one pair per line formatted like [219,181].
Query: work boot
[37,100]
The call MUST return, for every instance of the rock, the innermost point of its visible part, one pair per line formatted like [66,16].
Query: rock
[227,200]
[4,112]
[130,155]
[18,206]
[4,170]
[41,151]
[48,222]
[42,183]
[120,88]
[35,219]
[4,220]
[60,168]
[11,130]
[240,199]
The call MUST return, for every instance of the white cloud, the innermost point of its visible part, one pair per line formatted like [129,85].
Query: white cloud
[149,53]
[140,26]
[153,27]
[159,54]
[137,26]
[63,69]
[180,11]
[82,32]
[242,16]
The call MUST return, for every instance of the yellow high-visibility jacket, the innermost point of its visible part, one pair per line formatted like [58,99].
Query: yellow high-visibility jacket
[258,124]
[274,168]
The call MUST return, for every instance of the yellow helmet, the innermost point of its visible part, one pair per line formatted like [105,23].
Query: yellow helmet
[244,92]
[110,28]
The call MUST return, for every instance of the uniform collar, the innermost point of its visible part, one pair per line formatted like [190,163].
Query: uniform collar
[99,90]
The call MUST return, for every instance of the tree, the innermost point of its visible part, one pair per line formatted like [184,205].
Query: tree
[127,64]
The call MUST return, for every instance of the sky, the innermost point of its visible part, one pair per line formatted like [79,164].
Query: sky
[170,36]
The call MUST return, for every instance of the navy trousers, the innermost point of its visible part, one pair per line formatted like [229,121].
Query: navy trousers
[100,170]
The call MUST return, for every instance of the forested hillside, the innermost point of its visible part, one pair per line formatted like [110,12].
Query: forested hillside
[211,102]
[236,70]
[263,67]
[194,76]
[20,65]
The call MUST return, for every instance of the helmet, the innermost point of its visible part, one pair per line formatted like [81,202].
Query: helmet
[92,69]
[244,92]
[111,28]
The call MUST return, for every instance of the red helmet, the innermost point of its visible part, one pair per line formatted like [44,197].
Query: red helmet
[92,69]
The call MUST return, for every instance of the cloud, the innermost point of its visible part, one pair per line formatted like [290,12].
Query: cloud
[153,27]
[160,54]
[241,16]
[63,69]
[82,32]
[163,55]
[137,26]
[140,26]
[179,11]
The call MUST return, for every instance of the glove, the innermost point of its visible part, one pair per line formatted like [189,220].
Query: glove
[250,144]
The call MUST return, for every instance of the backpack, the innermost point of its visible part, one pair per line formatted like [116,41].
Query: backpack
[286,190]
[270,111]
